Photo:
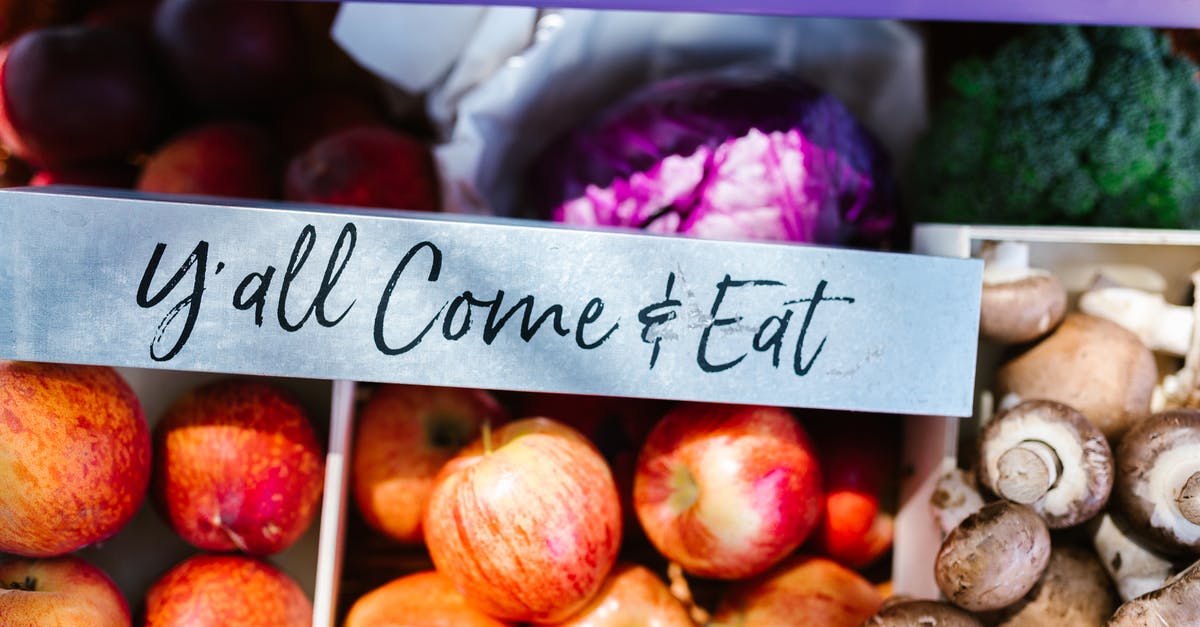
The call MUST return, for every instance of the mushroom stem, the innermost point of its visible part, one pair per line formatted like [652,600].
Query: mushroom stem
[1189,499]
[1027,471]
[1006,255]
[1161,326]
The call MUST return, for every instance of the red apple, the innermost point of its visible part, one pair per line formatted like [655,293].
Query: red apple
[59,591]
[74,456]
[365,166]
[404,435]
[632,595]
[238,467]
[858,457]
[233,159]
[78,92]
[526,521]
[220,590]
[425,598]
[727,491]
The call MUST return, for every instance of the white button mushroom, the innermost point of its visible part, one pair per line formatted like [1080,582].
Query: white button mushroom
[994,557]
[1158,480]
[1174,605]
[1093,365]
[954,498]
[1019,304]
[1134,568]
[1047,455]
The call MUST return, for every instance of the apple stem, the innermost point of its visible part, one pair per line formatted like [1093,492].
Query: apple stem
[486,430]
[683,592]
[29,585]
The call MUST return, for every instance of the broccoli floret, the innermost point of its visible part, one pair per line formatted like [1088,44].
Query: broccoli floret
[1066,125]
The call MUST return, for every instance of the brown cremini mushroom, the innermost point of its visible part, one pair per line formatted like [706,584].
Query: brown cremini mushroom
[921,613]
[1047,455]
[1158,480]
[1093,365]
[1019,304]
[994,557]
[1174,605]
[1132,566]
[1073,591]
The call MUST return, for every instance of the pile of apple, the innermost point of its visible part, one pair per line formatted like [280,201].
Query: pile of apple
[573,510]
[212,97]
[234,467]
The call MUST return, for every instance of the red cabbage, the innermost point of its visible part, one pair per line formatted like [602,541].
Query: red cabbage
[724,156]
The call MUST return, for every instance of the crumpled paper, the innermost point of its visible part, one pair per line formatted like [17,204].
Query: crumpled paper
[501,82]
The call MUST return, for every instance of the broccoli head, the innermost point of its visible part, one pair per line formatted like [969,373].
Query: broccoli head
[1065,125]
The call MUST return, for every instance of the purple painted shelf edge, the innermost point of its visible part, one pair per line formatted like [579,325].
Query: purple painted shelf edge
[1178,13]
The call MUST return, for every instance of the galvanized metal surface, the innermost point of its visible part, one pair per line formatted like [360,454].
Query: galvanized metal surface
[391,297]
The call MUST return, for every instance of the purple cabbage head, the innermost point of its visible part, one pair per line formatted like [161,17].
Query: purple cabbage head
[724,156]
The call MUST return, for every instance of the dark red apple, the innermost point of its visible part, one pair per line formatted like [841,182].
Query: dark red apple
[727,491]
[403,436]
[421,599]
[238,467]
[233,159]
[59,591]
[115,175]
[74,456]
[859,455]
[221,590]
[78,92]
[231,56]
[323,112]
[365,166]
[526,522]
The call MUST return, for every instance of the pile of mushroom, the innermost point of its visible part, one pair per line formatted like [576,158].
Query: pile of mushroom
[1080,502]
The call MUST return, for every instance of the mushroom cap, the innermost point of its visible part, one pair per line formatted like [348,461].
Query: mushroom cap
[1155,460]
[994,557]
[1096,366]
[1020,305]
[1075,590]
[1085,478]
[922,613]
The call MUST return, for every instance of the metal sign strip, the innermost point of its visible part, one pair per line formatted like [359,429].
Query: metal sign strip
[328,293]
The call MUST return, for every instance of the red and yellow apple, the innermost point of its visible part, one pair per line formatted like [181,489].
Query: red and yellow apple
[404,435]
[220,590]
[526,521]
[238,467]
[74,456]
[59,591]
[424,598]
[632,595]
[617,426]
[802,590]
[727,491]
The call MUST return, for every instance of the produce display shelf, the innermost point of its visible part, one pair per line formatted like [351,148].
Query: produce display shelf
[1160,13]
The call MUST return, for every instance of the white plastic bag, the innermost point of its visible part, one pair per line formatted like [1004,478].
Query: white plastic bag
[502,82]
